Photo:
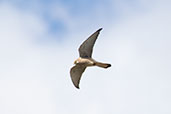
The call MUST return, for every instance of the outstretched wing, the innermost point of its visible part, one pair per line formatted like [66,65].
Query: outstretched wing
[75,73]
[86,48]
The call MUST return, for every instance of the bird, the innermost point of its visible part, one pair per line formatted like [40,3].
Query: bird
[85,59]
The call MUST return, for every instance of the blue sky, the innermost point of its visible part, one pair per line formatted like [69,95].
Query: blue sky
[39,41]
[80,12]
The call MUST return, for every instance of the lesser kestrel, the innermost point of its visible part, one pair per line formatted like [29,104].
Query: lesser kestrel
[85,60]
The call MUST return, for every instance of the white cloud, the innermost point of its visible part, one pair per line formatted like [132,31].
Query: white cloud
[34,78]
[24,65]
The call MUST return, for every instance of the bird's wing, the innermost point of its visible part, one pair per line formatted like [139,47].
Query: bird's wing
[75,73]
[86,48]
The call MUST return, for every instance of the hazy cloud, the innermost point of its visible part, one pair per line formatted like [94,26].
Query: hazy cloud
[34,75]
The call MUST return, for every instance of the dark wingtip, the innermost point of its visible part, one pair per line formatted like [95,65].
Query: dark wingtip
[77,87]
[99,29]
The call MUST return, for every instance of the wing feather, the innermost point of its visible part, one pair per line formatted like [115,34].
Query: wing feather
[86,48]
[76,73]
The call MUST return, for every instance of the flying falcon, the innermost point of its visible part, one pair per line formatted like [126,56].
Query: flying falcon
[85,60]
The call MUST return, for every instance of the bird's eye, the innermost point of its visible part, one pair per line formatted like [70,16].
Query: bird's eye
[75,62]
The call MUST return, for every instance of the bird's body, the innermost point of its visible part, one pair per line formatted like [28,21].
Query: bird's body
[90,62]
[85,60]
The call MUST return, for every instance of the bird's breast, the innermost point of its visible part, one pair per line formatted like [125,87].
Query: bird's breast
[85,61]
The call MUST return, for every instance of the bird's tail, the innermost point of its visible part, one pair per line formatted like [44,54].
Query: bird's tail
[103,65]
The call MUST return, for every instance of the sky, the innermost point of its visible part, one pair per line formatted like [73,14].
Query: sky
[39,42]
